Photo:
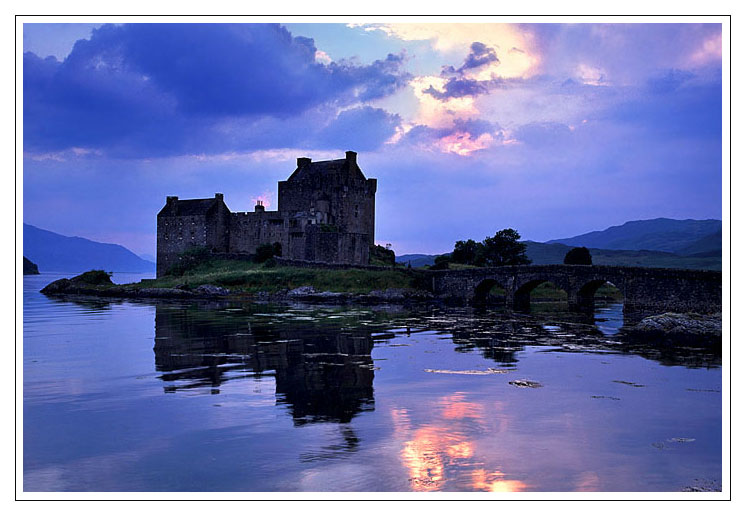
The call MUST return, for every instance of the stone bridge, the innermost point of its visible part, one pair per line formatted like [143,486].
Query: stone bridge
[645,290]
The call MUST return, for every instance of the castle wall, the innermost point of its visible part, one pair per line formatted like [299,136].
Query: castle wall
[176,235]
[350,204]
[218,222]
[249,230]
[334,247]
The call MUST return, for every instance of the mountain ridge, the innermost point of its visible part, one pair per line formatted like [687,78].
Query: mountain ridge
[661,234]
[59,253]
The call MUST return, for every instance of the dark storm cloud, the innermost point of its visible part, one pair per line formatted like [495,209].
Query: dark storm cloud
[148,89]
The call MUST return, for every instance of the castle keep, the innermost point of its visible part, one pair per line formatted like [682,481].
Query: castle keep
[325,213]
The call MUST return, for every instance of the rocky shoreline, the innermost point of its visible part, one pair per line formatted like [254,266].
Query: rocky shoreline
[76,286]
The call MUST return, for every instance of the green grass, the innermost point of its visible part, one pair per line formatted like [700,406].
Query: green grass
[250,278]
[94,277]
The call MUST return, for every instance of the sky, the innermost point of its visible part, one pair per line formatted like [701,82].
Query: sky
[551,129]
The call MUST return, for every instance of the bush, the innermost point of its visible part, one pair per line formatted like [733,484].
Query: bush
[94,277]
[266,251]
[578,256]
[379,255]
[441,262]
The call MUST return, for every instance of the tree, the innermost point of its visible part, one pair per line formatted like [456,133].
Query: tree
[468,252]
[441,262]
[578,256]
[380,255]
[505,249]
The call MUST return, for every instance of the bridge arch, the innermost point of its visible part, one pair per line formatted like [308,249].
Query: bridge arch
[483,288]
[522,294]
[583,299]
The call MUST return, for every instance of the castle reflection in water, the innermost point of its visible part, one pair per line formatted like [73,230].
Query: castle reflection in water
[321,374]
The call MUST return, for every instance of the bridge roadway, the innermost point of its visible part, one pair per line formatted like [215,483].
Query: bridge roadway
[644,289]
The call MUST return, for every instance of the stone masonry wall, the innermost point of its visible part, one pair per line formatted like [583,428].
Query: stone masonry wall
[177,234]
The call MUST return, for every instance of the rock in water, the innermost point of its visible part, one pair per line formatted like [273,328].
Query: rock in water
[80,284]
[525,383]
[687,328]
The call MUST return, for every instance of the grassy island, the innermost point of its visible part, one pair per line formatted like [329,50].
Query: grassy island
[249,277]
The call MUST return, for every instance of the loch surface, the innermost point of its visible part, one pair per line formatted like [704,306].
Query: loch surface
[213,396]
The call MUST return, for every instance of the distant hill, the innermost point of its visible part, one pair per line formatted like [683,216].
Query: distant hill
[668,235]
[548,254]
[417,260]
[57,253]
[29,267]
[710,245]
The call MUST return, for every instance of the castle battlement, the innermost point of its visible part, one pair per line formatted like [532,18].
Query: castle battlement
[326,213]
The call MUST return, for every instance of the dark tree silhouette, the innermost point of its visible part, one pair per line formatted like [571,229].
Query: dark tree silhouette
[505,249]
[468,251]
[578,256]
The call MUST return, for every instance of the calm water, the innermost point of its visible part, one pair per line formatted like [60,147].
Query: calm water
[182,396]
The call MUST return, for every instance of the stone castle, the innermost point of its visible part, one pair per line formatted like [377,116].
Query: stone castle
[325,213]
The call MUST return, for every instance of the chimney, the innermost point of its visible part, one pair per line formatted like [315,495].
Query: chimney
[351,157]
[259,205]
[218,196]
[171,202]
[302,162]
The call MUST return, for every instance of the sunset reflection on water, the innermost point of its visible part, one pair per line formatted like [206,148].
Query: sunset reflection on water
[439,456]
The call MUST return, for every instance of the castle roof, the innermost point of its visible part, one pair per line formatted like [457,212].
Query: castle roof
[187,207]
[308,169]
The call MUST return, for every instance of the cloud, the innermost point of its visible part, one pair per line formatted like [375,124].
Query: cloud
[479,56]
[463,137]
[624,54]
[669,81]
[148,89]
[361,129]
[515,43]
[544,134]
[456,88]
[459,82]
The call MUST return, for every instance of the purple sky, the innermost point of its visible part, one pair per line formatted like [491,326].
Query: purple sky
[554,130]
